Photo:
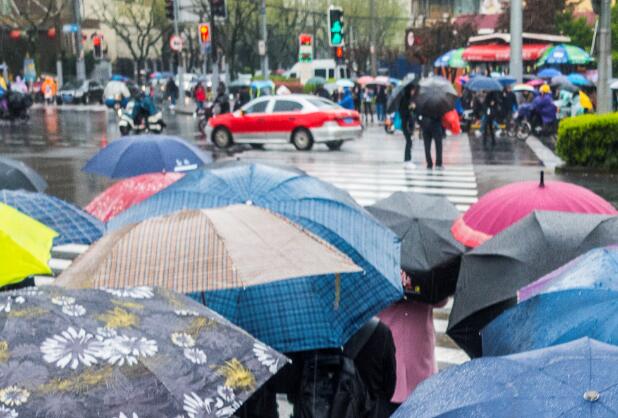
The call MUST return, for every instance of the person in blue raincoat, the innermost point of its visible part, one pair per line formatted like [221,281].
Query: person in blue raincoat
[347,101]
[544,106]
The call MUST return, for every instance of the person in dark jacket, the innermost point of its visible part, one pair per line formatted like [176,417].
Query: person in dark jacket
[322,92]
[222,100]
[243,98]
[491,113]
[432,130]
[381,99]
[357,94]
[406,109]
[377,367]
[171,91]
[544,106]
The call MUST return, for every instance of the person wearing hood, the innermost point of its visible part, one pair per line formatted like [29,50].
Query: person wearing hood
[544,106]
[347,101]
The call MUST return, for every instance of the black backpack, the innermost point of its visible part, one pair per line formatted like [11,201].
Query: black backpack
[331,384]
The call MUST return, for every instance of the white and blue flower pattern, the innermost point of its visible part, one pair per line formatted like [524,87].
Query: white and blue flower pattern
[143,292]
[7,412]
[71,348]
[126,350]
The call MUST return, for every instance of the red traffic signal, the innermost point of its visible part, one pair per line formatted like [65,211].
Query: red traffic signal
[204,32]
[96,40]
[15,34]
[305,39]
[339,52]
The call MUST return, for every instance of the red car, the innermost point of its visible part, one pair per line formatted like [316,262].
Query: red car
[300,119]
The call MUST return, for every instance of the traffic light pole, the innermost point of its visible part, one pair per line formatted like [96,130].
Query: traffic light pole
[605,58]
[516,67]
[264,58]
[80,67]
[181,71]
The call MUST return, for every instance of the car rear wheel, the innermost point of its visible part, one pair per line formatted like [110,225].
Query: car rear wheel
[124,130]
[257,146]
[334,145]
[222,138]
[302,139]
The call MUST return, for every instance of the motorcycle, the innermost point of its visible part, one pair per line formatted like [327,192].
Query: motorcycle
[17,105]
[203,115]
[529,123]
[137,118]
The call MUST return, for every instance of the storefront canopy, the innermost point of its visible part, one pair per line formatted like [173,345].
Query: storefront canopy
[501,52]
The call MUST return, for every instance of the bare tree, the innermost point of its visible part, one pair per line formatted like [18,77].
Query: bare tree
[138,23]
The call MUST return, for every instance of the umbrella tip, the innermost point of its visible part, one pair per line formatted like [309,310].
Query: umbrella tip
[542,182]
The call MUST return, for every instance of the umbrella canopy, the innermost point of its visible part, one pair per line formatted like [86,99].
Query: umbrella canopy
[138,352]
[482,83]
[579,80]
[394,81]
[429,252]
[128,192]
[536,82]
[596,269]
[344,82]
[564,83]
[502,207]
[505,80]
[116,88]
[381,81]
[523,87]
[318,81]
[548,73]
[564,54]
[554,318]
[140,154]
[452,59]
[392,105]
[235,254]
[325,210]
[578,379]
[436,97]
[72,224]
[366,79]
[491,274]
[15,175]
[240,83]
[25,246]
[584,101]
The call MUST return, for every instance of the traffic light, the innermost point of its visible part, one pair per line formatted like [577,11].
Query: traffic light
[305,48]
[96,46]
[335,26]
[204,32]
[218,9]
[169,9]
[339,55]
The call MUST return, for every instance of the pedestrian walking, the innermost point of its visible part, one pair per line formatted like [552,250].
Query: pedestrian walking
[357,95]
[199,95]
[491,113]
[406,113]
[322,92]
[171,92]
[367,105]
[243,98]
[347,101]
[411,325]
[381,98]
[431,127]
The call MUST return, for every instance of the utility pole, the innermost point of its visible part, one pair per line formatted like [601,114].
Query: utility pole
[516,66]
[181,70]
[264,58]
[372,44]
[80,68]
[605,58]
[214,56]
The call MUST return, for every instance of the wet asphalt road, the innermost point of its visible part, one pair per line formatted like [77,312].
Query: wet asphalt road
[57,143]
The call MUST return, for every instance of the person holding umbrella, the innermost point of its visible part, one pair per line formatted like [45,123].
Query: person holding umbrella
[406,110]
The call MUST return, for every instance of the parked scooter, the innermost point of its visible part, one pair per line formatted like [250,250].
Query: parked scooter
[141,115]
[16,106]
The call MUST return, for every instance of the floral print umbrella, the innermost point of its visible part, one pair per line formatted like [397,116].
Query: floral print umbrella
[141,352]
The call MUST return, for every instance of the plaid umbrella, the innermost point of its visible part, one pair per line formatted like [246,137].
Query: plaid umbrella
[325,210]
[128,192]
[15,175]
[137,352]
[235,254]
[72,224]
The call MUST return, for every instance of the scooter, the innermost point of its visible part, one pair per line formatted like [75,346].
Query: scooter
[528,123]
[17,105]
[153,123]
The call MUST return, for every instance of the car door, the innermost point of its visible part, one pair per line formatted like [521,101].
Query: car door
[250,124]
[283,118]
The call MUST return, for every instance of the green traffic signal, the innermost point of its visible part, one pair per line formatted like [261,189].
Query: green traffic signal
[337,38]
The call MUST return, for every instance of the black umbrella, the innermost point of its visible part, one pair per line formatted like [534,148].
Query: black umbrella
[492,273]
[563,82]
[429,253]
[15,175]
[436,97]
[392,105]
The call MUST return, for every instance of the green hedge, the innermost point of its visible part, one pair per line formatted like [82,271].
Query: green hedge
[589,141]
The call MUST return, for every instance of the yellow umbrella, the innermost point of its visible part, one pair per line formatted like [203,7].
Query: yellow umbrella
[585,101]
[25,246]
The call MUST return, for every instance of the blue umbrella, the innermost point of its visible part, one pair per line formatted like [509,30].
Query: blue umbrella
[73,224]
[480,83]
[134,155]
[578,379]
[579,80]
[505,80]
[318,206]
[548,73]
[554,318]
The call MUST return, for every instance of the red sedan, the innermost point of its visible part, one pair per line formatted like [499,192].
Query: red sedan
[300,119]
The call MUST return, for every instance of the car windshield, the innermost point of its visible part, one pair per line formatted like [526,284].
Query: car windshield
[323,103]
[71,85]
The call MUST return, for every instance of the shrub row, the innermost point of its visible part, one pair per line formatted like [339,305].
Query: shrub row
[589,141]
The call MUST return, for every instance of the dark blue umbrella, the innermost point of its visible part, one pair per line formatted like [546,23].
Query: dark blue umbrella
[554,318]
[574,380]
[548,73]
[15,175]
[72,224]
[134,155]
[480,83]
[505,80]
[327,211]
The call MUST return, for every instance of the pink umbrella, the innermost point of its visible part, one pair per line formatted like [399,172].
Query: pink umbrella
[536,83]
[381,80]
[122,195]
[504,206]
[366,79]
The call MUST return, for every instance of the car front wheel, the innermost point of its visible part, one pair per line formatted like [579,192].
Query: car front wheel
[302,139]
[221,137]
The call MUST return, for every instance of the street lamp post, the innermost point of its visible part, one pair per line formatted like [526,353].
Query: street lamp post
[264,57]
[80,68]
[372,45]
[516,66]
[605,58]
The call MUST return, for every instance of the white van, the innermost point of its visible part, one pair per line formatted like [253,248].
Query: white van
[326,68]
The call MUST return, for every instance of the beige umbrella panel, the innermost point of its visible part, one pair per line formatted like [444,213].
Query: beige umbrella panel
[204,250]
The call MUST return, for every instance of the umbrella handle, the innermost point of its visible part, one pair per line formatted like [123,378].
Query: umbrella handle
[542,182]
